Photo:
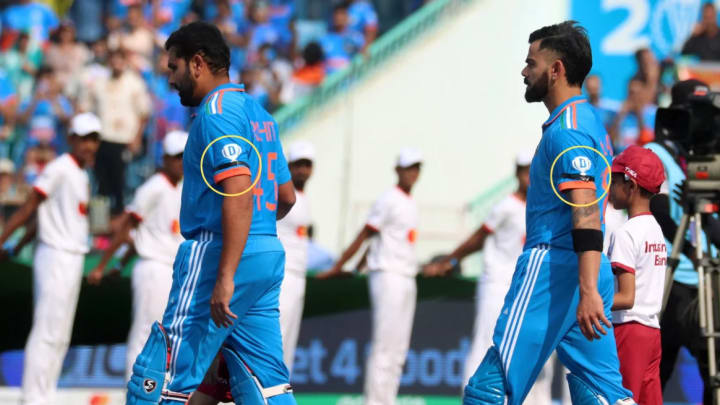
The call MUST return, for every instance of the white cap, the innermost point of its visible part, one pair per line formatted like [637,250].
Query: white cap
[408,157]
[174,142]
[524,158]
[85,124]
[300,150]
[7,166]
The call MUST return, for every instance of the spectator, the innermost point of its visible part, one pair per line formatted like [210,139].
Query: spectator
[341,43]
[704,42]
[273,71]
[66,55]
[262,31]
[635,123]
[282,16]
[35,18]
[44,118]
[123,104]
[94,72]
[364,20]
[88,18]
[168,113]
[233,31]
[306,78]
[167,16]
[8,107]
[21,63]
[648,71]
[593,88]
[136,39]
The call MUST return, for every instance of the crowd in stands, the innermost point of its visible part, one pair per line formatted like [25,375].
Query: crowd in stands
[107,56]
[632,122]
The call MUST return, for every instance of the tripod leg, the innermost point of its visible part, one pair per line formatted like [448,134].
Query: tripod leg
[674,259]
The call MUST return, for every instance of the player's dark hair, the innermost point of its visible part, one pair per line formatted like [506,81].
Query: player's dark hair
[204,39]
[570,41]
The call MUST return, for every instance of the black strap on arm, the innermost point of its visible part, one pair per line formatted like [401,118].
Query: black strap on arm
[578,177]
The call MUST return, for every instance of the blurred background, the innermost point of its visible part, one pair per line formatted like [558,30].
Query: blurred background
[359,81]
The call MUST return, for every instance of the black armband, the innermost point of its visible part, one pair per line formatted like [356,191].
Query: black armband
[578,177]
[587,239]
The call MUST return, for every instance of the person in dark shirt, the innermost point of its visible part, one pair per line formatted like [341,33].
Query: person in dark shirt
[705,39]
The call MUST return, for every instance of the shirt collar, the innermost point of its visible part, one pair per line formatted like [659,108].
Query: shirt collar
[221,87]
[556,112]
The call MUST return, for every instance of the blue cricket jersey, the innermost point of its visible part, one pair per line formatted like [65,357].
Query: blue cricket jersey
[573,123]
[228,110]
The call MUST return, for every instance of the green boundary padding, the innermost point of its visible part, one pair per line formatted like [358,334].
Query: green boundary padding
[386,46]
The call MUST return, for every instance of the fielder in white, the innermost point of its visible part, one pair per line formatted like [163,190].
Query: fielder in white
[293,233]
[392,228]
[501,238]
[60,197]
[154,214]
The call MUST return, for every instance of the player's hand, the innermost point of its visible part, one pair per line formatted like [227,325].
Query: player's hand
[95,276]
[332,273]
[590,314]
[220,303]
[437,269]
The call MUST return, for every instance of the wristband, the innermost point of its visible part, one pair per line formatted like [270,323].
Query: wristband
[585,240]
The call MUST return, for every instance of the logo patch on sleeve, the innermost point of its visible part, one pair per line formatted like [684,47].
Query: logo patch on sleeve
[582,164]
[231,151]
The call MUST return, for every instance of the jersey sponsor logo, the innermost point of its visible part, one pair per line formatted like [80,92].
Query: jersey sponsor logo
[412,236]
[82,208]
[661,248]
[302,231]
[231,151]
[582,164]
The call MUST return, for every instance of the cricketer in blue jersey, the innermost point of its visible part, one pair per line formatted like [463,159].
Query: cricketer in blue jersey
[562,288]
[227,274]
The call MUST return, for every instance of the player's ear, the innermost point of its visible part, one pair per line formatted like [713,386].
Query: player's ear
[196,64]
[557,69]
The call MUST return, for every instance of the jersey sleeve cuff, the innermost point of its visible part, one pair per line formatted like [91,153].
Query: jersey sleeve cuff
[619,267]
[40,191]
[231,172]
[575,185]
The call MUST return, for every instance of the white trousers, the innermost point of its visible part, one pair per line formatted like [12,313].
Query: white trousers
[489,302]
[392,300]
[151,282]
[57,275]
[292,301]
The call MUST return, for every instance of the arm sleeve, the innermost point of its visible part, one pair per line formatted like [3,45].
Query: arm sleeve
[623,255]
[494,219]
[229,156]
[48,180]
[576,168]
[378,214]
[282,171]
[143,203]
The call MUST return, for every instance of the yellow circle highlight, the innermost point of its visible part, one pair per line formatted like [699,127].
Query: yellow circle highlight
[552,167]
[202,173]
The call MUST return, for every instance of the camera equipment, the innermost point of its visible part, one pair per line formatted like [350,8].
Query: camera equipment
[693,128]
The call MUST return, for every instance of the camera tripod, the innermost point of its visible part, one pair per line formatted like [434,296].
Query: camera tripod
[708,269]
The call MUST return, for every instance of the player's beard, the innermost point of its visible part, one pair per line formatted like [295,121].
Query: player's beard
[186,90]
[537,91]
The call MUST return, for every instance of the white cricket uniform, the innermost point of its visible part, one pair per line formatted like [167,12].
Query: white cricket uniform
[293,233]
[157,207]
[57,275]
[505,224]
[639,247]
[393,291]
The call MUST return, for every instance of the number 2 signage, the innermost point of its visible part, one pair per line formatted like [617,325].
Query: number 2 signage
[618,28]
